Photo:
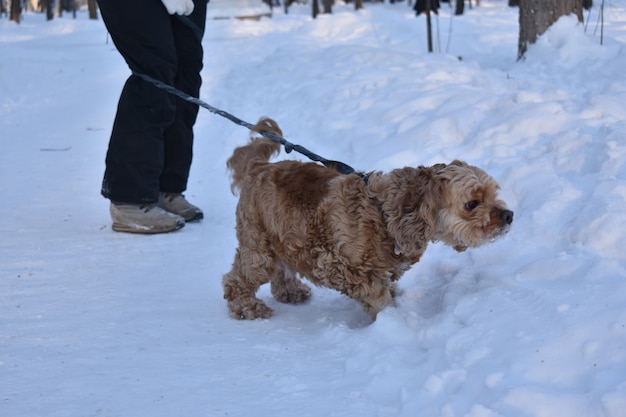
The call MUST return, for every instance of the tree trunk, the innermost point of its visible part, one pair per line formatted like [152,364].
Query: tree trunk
[16,11]
[327,6]
[48,7]
[429,31]
[358,4]
[93,9]
[316,8]
[536,16]
[460,6]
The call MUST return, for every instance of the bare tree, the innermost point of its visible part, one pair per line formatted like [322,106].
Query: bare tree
[328,6]
[536,16]
[16,11]
[427,6]
[67,6]
[93,9]
[460,7]
[48,7]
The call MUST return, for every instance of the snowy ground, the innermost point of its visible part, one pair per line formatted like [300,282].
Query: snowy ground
[97,323]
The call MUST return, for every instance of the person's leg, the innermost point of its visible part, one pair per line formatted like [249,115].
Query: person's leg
[187,31]
[142,32]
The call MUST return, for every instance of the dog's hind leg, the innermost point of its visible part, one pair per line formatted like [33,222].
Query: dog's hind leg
[250,270]
[287,287]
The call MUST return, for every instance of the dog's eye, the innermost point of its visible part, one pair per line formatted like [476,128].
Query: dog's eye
[471,205]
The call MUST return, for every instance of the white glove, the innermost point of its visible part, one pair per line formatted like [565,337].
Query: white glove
[184,7]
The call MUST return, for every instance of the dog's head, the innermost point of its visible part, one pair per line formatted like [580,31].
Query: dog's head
[455,203]
[470,213]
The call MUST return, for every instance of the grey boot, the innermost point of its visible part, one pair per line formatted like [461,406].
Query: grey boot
[177,203]
[143,218]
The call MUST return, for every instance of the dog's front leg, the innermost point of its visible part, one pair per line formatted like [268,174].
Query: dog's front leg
[373,296]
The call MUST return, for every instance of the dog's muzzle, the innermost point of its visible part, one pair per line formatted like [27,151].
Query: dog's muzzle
[506,216]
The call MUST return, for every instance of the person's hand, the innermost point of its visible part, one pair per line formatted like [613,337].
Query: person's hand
[183,7]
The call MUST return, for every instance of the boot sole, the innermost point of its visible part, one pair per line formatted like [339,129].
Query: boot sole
[195,218]
[118,227]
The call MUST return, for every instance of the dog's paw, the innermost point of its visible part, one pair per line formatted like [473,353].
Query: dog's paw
[249,309]
[291,292]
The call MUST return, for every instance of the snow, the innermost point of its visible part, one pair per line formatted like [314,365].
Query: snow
[98,323]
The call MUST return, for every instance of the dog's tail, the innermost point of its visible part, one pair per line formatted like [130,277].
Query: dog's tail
[258,151]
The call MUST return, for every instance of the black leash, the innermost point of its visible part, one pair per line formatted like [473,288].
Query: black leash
[339,166]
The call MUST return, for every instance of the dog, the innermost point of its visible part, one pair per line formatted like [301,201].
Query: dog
[354,233]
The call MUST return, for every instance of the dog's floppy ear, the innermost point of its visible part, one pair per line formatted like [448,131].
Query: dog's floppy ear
[411,208]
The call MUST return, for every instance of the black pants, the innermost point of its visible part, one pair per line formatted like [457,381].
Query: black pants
[150,149]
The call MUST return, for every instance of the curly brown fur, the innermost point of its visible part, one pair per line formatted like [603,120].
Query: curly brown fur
[343,232]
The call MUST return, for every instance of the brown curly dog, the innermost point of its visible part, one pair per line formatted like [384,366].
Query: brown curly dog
[355,233]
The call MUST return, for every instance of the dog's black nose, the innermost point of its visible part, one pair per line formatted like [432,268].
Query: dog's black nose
[506,216]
